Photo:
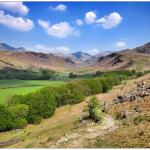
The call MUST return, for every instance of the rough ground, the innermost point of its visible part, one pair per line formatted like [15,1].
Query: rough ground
[65,125]
[86,132]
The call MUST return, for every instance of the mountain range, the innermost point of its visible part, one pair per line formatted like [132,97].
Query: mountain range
[138,57]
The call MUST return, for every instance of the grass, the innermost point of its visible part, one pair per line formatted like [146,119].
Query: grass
[9,88]
[134,131]
[48,131]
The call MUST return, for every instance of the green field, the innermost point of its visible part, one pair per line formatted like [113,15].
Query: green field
[9,88]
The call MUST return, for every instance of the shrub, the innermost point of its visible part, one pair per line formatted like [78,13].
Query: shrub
[94,86]
[41,104]
[34,119]
[107,84]
[19,111]
[77,92]
[6,119]
[94,109]
[19,124]
[63,95]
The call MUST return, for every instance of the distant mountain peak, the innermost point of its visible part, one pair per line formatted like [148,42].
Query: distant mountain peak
[80,54]
[6,47]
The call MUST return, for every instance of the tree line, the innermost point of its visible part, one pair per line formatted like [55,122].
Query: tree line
[27,74]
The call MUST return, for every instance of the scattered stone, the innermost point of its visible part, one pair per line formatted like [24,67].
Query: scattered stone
[142,89]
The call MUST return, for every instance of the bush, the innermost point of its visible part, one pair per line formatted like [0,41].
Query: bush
[94,86]
[41,104]
[77,92]
[19,124]
[94,109]
[63,95]
[6,119]
[19,111]
[34,119]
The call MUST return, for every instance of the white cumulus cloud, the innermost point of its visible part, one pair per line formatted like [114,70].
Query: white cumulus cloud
[90,17]
[79,22]
[43,24]
[112,20]
[17,7]
[120,44]
[17,23]
[54,50]
[60,7]
[60,30]
[93,51]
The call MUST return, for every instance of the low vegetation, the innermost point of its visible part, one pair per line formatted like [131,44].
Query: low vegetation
[93,110]
[134,129]
[42,104]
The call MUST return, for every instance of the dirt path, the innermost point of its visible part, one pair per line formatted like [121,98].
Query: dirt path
[84,134]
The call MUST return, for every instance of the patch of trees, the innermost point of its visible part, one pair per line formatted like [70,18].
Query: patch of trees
[72,75]
[27,74]
[31,108]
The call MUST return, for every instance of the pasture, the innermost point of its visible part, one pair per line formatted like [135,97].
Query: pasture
[9,88]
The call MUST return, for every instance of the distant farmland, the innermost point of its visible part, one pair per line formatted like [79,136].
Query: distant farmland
[9,88]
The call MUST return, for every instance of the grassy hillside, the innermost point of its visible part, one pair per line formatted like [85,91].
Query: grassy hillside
[9,88]
[65,123]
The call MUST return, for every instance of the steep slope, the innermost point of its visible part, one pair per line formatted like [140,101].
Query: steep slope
[34,60]
[143,49]
[137,58]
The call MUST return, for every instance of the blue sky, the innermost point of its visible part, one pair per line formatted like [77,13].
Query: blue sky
[65,27]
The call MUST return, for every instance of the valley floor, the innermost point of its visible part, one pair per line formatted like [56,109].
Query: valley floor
[65,129]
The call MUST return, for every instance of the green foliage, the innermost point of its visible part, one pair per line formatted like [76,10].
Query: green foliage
[19,124]
[41,104]
[77,92]
[94,109]
[27,74]
[34,119]
[62,95]
[9,88]
[6,119]
[19,111]
[31,108]
[72,75]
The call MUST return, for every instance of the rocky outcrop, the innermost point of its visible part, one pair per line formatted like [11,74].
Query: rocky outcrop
[142,89]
